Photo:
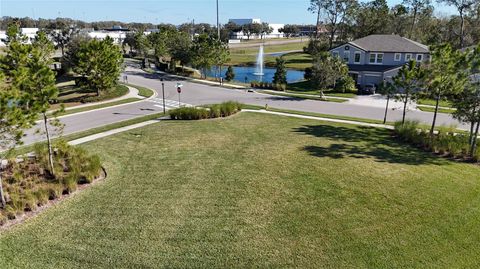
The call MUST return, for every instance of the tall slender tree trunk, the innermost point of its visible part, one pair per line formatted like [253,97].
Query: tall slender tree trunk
[49,144]
[437,102]
[475,139]
[412,28]
[3,203]
[472,129]
[462,29]
[386,110]
[318,22]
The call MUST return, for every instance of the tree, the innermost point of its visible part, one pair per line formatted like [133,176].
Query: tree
[252,29]
[265,30]
[61,34]
[416,6]
[203,52]
[290,30]
[221,54]
[338,13]
[129,41]
[99,62]
[13,121]
[141,44]
[280,76]
[371,18]
[388,90]
[462,6]
[30,86]
[179,48]
[326,71]
[316,7]
[230,74]
[467,103]
[408,83]
[158,41]
[445,76]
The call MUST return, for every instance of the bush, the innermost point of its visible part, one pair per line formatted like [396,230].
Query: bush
[476,155]
[213,111]
[3,218]
[407,131]
[54,191]
[446,141]
[42,196]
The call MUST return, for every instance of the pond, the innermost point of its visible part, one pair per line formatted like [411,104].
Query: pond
[246,74]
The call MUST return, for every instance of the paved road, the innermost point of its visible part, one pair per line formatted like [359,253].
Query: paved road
[199,94]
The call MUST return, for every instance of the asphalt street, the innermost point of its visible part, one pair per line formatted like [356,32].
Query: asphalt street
[200,94]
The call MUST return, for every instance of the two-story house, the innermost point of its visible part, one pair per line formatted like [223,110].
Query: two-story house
[375,58]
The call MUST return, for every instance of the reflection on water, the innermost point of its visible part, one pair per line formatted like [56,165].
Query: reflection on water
[246,74]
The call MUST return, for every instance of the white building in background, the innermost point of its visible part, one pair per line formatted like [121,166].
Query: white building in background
[29,33]
[241,35]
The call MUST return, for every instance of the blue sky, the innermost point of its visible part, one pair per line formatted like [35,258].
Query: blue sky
[167,11]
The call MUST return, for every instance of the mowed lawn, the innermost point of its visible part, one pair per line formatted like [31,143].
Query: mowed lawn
[259,191]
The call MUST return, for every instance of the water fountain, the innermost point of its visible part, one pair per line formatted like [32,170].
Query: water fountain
[260,63]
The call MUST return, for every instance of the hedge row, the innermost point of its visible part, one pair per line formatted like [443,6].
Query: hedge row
[209,112]
[268,86]
[445,142]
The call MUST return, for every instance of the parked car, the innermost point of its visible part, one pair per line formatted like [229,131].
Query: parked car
[368,89]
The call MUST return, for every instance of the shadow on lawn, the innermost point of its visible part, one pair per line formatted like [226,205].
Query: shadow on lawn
[366,142]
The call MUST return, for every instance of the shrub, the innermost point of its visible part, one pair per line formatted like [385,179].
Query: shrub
[213,111]
[476,155]
[3,218]
[407,131]
[54,191]
[31,201]
[42,196]
[69,183]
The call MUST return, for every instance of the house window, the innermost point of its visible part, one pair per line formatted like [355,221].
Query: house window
[376,58]
[398,57]
[408,57]
[357,57]
[346,56]
[380,58]
[419,57]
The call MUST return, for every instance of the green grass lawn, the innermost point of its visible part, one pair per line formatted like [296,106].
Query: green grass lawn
[431,102]
[305,87]
[432,109]
[304,96]
[294,60]
[259,191]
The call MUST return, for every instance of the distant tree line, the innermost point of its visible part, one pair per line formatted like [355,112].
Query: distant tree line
[346,20]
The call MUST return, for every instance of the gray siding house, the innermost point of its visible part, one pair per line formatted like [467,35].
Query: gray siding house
[375,58]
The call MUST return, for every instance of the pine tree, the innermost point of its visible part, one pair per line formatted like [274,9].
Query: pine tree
[280,76]
[230,75]
[445,76]
[408,83]
[100,63]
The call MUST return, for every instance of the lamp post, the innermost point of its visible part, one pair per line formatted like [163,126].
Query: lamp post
[218,24]
[163,96]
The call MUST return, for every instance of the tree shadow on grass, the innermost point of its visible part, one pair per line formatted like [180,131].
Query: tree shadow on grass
[366,142]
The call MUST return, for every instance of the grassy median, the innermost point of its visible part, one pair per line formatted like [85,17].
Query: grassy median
[259,191]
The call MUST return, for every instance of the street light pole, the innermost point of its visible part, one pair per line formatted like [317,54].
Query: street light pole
[218,23]
[163,97]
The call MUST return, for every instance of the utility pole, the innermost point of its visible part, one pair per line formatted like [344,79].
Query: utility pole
[218,23]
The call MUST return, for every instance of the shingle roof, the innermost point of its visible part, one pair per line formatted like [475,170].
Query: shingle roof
[389,43]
